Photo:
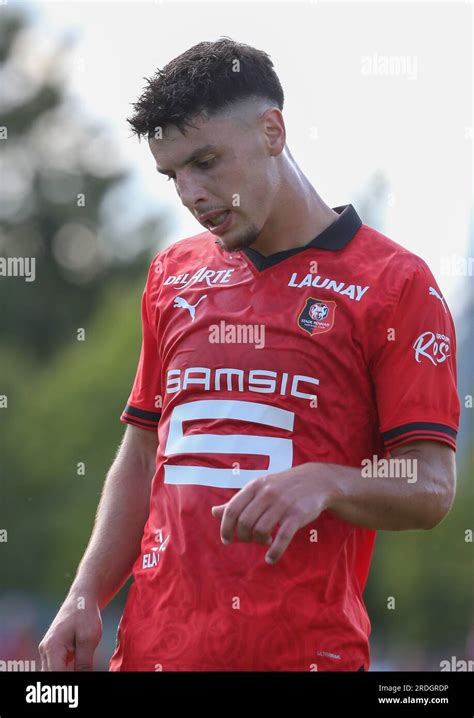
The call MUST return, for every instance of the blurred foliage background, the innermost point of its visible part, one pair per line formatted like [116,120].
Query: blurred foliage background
[61,189]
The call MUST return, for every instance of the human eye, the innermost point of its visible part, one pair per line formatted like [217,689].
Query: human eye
[205,164]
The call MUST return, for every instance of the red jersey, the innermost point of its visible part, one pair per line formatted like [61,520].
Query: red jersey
[335,351]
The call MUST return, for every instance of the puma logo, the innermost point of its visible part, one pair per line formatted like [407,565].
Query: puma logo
[434,293]
[181,302]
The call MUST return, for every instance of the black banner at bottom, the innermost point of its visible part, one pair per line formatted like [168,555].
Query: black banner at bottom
[103,693]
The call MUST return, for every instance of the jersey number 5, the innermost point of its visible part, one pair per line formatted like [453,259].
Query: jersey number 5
[278,450]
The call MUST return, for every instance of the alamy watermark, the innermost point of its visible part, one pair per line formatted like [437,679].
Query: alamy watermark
[18,267]
[457,265]
[225,333]
[377,65]
[393,468]
[15,666]
[457,665]
[40,693]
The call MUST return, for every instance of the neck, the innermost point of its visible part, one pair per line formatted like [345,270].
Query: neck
[300,213]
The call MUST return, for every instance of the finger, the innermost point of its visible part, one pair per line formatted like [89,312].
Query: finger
[56,658]
[70,661]
[84,655]
[267,522]
[261,518]
[44,660]
[234,508]
[281,542]
[265,540]
[249,517]
[217,512]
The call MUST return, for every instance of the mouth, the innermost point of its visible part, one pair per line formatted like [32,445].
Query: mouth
[219,223]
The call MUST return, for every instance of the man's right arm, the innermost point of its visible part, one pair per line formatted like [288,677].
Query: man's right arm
[108,560]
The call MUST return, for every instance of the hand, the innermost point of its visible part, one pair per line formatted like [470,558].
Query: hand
[290,498]
[71,640]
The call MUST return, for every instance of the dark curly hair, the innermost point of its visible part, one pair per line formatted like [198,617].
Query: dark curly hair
[203,80]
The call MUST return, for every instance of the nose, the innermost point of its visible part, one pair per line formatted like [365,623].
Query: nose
[190,191]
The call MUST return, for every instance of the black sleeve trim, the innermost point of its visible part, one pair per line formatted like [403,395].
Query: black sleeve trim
[418,430]
[140,417]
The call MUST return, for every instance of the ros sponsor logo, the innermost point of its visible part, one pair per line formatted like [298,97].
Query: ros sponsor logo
[432,346]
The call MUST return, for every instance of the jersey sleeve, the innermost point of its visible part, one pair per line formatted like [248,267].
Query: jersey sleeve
[414,366]
[144,402]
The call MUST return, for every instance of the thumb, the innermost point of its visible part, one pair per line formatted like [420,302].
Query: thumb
[218,510]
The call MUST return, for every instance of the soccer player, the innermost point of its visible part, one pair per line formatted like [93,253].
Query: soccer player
[295,393]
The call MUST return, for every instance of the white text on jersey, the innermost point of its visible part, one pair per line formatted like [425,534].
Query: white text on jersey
[209,276]
[262,381]
[353,291]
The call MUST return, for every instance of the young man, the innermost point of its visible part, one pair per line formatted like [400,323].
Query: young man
[295,392]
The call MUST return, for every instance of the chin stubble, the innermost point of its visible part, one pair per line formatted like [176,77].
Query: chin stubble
[245,240]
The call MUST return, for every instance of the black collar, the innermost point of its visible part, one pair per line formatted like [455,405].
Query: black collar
[334,237]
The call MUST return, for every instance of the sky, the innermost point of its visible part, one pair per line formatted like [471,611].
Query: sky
[370,88]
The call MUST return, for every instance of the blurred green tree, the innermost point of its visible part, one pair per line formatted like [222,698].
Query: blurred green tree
[430,576]
[59,170]
[62,434]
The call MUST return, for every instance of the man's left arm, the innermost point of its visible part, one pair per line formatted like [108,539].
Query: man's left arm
[415,491]
[408,496]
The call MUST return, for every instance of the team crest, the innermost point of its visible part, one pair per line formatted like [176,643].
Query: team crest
[317,316]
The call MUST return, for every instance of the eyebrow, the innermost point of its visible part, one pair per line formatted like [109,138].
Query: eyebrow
[200,151]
